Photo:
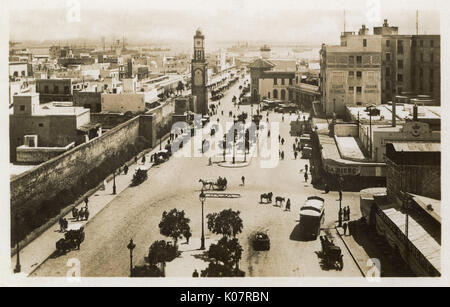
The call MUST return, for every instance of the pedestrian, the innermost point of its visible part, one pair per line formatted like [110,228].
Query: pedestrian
[306,177]
[243,180]
[125,169]
[340,195]
[282,141]
[306,168]
[288,205]
[326,188]
[195,274]
[295,155]
[345,226]
[86,200]
[293,147]
[65,224]
[348,214]
[268,133]
[143,159]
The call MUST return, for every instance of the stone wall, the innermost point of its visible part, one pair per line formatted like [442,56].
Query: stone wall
[45,182]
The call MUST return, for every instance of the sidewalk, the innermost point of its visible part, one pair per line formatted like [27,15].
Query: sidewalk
[358,254]
[40,249]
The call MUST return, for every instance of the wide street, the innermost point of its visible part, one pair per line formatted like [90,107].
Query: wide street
[136,212]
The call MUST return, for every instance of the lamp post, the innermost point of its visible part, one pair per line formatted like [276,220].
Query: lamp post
[202,198]
[234,146]
[131,246]
[17,269]
[114,182]
[340,212]
[370,127]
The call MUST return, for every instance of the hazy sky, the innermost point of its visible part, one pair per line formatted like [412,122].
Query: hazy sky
[313,21]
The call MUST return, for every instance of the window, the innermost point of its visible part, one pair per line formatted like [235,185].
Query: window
[275,94]
[22,108]
[66,90]
[351,60]
[283,94]
[358,59]
[56,90]
[388,43]
[400,47]
[421,57]
[282,81]
[431,58]
[359,74]
[388,85]
[364,42]
[268,95]
[388,71]
[41,125]
[351,74]
[46,89]
[275,81]
[400,78]
[400,64]
[290,81]
[358,90]
[388,56]
[351,88]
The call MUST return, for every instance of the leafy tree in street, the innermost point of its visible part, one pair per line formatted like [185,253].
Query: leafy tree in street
[174,224]
[225,256]
[227,223]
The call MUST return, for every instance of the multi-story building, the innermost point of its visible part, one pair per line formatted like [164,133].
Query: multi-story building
[52,125]
[54,89]
[407,61]
[271,79]
[351,72]
[426,66]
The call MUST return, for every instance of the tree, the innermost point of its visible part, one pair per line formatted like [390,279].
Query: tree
[225,257]
[173,224]
[227,223]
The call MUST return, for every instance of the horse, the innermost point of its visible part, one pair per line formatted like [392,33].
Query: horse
[267,197]
[280,200]
[207,184]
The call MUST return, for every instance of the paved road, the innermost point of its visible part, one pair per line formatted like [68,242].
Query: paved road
[136,212]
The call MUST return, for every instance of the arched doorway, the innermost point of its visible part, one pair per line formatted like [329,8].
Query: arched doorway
[275,94]
[283,95]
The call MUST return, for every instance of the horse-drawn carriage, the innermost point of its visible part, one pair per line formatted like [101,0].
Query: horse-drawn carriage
[161,156]
[331,254]
[72,239]
[219,185]
[139,176]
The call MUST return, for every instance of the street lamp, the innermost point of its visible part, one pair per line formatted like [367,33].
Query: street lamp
[202,198]
[17,269]
[370,127]
[114,182]
[131,246]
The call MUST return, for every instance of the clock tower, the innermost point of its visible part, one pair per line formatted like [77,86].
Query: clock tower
[199,75]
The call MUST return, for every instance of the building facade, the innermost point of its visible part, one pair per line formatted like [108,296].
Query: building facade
[351,73]
[199,73]
[54,90]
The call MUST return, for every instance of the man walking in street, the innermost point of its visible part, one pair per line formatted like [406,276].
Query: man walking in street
[306,168]
[295,155]
[125,169]
[345,228]
[340,195]
[288,205]
[348,213]
[243,180]
[306,177]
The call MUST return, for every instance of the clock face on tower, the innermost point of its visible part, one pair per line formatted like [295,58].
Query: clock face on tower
[198,77]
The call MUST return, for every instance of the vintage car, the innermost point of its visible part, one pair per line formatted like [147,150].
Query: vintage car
[261,241]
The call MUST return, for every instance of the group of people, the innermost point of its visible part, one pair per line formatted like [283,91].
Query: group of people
[344,213]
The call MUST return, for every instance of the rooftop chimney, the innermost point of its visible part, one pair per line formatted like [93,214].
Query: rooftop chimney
[394,111]
[415,112]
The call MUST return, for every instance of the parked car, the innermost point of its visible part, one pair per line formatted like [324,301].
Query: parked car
[261,241]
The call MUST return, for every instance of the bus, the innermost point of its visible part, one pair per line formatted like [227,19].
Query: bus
[312,217]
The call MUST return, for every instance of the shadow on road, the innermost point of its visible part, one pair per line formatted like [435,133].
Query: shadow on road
[296,235]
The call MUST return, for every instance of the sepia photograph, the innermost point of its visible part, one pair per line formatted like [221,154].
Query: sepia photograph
[190,142]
